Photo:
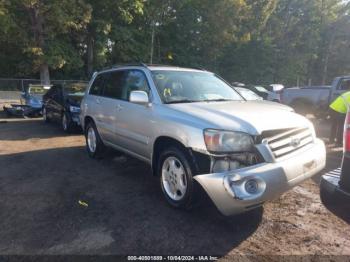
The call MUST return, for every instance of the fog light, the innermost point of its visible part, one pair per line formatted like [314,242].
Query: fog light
[251,186]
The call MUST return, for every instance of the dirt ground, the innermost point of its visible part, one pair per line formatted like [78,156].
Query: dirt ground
[44,173]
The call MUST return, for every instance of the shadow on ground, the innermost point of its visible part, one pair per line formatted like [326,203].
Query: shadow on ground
[340,209]
[126,213]
[20,129]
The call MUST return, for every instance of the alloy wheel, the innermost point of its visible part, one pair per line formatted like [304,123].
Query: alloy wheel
[44,114]
[64,123]
[91,139]
[174,178]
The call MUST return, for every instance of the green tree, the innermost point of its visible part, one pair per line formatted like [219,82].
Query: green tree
[265,41]
[46,30]
[106,27]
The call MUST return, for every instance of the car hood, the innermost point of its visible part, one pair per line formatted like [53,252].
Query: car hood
[252,117]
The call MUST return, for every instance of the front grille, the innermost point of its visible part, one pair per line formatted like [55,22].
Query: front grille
[288,141]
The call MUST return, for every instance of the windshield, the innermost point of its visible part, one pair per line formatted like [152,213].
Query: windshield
[189,86]
[77,89]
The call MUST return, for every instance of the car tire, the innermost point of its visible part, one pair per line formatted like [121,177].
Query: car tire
[176,178]
[94,144]
[66,123]
[45,116]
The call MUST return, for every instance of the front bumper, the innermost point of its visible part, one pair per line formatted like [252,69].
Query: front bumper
[22,110]
[229,190]
[75,118]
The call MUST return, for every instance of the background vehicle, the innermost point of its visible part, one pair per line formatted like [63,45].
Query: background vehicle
[62,104]
[275,88]
[248,94]
[195,130]
[315,99]
[336,183]
[31,102]
[264,93]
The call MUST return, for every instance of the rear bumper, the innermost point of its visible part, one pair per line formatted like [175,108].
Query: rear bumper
[345,175]
[232,191]
[330,183]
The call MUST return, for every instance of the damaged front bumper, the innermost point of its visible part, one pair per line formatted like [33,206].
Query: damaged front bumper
[240,190]
[22,110]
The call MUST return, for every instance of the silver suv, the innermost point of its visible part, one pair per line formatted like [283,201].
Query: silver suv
[195,130]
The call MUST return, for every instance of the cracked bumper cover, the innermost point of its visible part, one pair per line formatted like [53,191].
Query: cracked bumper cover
[228,190]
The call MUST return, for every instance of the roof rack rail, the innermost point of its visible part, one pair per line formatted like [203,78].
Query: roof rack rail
[162,65]
[147,65]
[199,68]
[192,67]
[130,64]
[122,65]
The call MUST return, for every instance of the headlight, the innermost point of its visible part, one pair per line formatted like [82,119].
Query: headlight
[74,109]
[227,141]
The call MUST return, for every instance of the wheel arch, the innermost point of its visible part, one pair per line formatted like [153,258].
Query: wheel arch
[196,159]
[87,120]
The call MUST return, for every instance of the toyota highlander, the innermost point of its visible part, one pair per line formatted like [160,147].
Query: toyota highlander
[194,129]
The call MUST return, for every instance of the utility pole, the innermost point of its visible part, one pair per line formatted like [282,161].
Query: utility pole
[298,81]
[152,41]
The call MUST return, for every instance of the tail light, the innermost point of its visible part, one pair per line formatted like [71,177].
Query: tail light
[347,133]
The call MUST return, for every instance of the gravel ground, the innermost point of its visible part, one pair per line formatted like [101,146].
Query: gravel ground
[44,173]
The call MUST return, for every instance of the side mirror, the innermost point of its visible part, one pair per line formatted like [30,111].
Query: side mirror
[139,97]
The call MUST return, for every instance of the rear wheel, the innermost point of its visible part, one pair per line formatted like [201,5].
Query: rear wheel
[94,144]
[45,116]
[176,178]
[66,123]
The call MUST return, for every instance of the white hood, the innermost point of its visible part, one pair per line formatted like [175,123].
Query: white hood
[252,117]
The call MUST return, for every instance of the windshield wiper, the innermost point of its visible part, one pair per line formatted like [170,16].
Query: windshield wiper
[194,101]
[183,101]
[218,100]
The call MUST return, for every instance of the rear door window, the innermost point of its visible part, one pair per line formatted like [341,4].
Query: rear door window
[113,84]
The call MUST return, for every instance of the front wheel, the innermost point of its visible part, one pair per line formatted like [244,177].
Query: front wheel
[94,144]
[176,178]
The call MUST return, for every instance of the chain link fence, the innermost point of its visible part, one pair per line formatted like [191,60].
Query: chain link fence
[11,89]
